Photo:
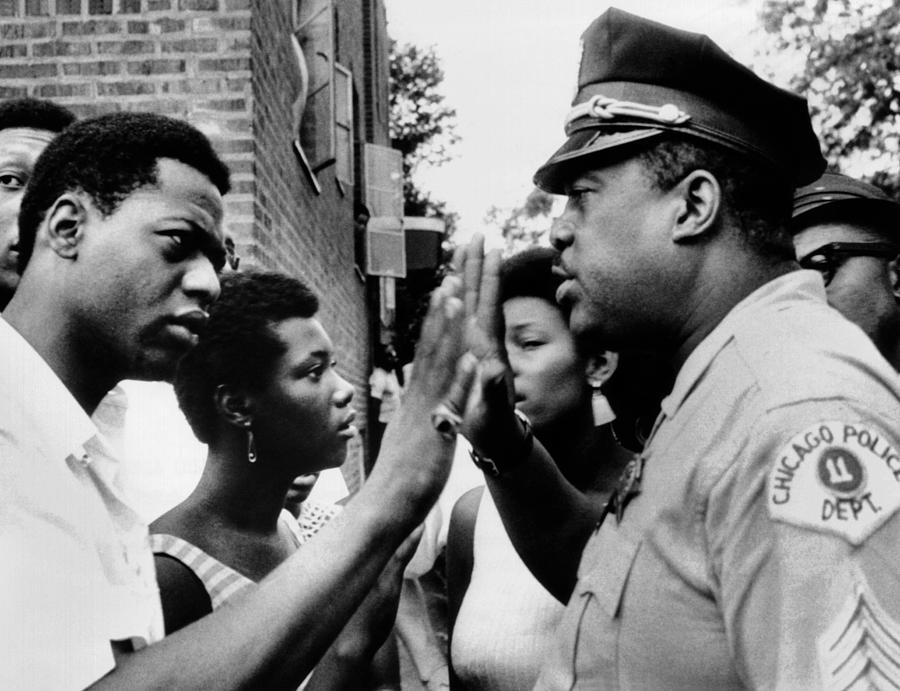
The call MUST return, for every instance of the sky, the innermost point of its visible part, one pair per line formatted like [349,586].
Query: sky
[510,69]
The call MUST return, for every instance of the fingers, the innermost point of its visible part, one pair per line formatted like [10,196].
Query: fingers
[495,385]
[431,325]
[443,307]
[440,344]
[488,313]
[406,550]
[458,263]
[474,256]
[466,367]
[449,347]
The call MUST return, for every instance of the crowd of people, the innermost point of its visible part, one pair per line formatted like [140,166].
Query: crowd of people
[683,417]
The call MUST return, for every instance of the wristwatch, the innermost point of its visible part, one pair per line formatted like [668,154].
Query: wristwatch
[495,469]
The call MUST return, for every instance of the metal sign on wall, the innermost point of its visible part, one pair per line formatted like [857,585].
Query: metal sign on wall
[383,172]
[385,247]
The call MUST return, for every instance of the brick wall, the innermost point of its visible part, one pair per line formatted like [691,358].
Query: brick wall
[185,58]
[226,66]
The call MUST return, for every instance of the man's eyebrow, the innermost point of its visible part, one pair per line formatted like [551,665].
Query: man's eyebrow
[215,210]
[210,243]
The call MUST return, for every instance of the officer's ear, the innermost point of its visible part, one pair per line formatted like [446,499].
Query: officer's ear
[65,222]
[699,198]
[894,274]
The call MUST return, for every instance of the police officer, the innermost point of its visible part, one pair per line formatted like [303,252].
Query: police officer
[753,542]
[848,231]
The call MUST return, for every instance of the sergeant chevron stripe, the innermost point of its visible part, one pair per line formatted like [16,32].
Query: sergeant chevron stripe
[861,649]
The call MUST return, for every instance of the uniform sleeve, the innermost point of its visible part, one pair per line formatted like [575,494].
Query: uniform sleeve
[804,537]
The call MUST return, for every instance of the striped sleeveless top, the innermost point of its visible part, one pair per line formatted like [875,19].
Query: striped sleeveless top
[221,581]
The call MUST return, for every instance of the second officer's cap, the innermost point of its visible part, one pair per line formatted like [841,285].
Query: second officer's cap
[835,194]
[640,79]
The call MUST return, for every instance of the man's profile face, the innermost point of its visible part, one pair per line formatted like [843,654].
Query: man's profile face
[857,286]
[149,271]
[609,238]
[19,149]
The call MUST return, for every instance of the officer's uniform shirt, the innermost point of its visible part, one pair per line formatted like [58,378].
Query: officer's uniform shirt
[762,549]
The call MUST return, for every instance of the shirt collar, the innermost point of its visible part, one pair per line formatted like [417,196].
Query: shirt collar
[783,291]
[36,398]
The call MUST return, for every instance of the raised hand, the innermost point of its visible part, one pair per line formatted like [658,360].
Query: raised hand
[489,419]
[411,446]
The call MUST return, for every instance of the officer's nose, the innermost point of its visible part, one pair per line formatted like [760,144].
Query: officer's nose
[561,233]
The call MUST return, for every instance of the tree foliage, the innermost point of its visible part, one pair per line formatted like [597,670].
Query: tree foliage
[422,126]
[526,225]
[847,54]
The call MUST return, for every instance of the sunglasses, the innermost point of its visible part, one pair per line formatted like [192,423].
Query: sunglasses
[827,259]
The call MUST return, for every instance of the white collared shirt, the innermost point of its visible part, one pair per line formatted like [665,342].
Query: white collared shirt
[76,570]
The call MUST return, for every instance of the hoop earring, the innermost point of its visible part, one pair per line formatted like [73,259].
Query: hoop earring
[251,446]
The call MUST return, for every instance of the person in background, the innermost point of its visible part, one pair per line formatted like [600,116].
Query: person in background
[502,620]
[27,125]
[385,388]
[120,246]
[849,231]
[310,515]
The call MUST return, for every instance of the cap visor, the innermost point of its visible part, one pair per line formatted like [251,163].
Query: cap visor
[556,172]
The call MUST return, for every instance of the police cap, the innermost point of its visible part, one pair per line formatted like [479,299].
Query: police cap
[835,194]
[640,79]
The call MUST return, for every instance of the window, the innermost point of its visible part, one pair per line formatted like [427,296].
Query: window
[315,36]
[323,109]
[343,124]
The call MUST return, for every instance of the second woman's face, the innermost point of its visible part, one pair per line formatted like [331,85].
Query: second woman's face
[303,414]
[548,375]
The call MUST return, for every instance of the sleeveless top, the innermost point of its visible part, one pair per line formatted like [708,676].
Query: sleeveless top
[507,620]
[221,581]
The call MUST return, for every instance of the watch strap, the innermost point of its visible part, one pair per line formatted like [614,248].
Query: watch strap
[491,467]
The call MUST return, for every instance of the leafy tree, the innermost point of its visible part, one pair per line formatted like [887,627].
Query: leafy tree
[848,57]
[417,202]
[526,225]
[422,126]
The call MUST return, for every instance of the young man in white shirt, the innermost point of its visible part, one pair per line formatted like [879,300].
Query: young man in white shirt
[121,243]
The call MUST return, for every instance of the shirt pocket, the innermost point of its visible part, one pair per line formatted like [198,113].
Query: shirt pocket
[603,578]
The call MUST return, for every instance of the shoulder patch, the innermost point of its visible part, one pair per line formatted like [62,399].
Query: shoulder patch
[837,477]
[861,647]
